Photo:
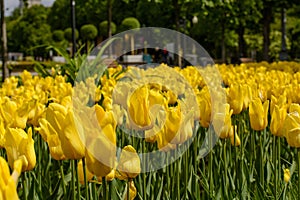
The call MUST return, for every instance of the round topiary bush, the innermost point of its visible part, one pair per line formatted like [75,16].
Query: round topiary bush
[103,28]
[58,35]
[68,34]
[130,23]
[88,32]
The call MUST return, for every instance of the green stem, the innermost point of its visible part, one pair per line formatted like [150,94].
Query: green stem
[236,163]
[275,166]
[104,185]
[86,187]
[128,189]
[73,179]
[211,186]
[63,177]
[261,160]
[143,171]
[24,183]
[39,139]
[279,155]
[195,144]
[94,190]
[77,180]
[225,169]
[178,176]
[298,173]
[186,167]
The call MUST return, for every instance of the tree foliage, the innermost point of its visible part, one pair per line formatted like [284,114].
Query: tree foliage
[130,23]
[103,28]
[30,31]
[225,28]
[68,34]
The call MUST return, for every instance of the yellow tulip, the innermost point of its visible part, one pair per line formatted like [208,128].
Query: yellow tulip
[222,121]
[132,191]
[7,182]
[247,95]
[236,98]
[204,102]
[35,113]
[129,165]
[186,129]
[162,143]
[156,97]
[101,143]
[294,107]
[108,177]
[69,130]
[90,175]
[286,175]
[172,124]
[291,129]
[80,169]
[234,138]
[20,145]
[50,136]
[151,135]
[280,102]
[277,119]
[258,114]
[2,133]
[138,107]
[12,115]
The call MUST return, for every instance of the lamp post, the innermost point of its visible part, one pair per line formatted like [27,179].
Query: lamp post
[195,19]
[73,20]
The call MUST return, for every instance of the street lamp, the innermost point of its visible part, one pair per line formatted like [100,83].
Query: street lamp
[195,20]
[73,20]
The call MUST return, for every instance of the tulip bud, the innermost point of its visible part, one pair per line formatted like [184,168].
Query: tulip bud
[286,175]
[129,164]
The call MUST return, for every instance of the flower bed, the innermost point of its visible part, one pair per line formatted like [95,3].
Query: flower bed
[69,140]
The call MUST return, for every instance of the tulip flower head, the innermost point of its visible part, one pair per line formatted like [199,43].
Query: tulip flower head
[129,165]
[7,182]
[100,142]
[286,175]
[68,129]
[20,145]
[258,114]
[277,120]
[291,129]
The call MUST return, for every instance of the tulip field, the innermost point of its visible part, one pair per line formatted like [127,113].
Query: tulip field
[218,132]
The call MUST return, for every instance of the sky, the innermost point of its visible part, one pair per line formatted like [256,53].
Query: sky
[10,5]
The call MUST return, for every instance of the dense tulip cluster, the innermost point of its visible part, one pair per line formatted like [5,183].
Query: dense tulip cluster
[81,122]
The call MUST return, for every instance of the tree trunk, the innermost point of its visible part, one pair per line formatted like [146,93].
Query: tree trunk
[242,48]
[267,18]
[5,72]
[223,42]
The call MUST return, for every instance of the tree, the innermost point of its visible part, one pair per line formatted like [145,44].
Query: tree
[59,39]
[31,31]
[59,15]
[103,28]
[68,34]
[130,23]
[88,33]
